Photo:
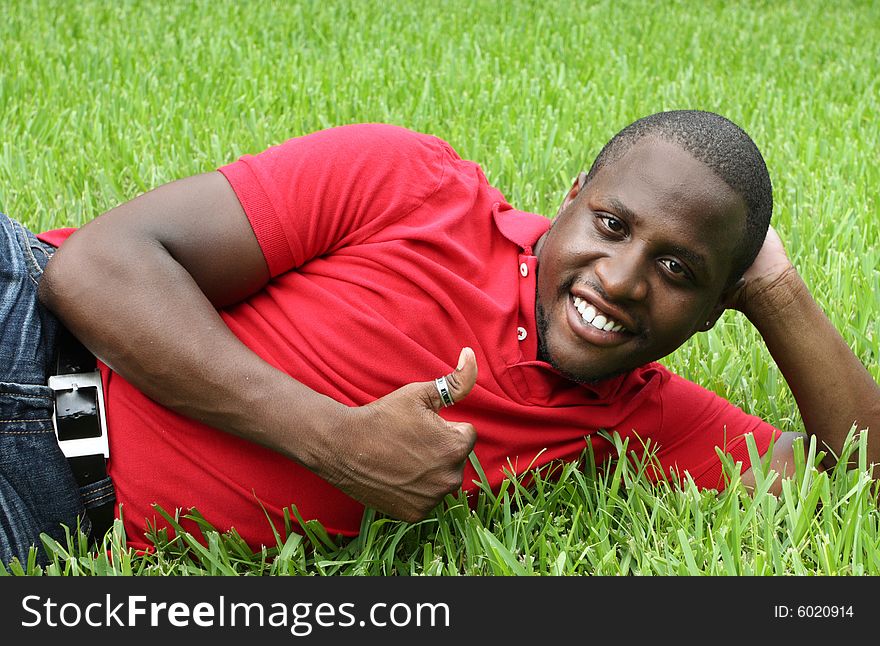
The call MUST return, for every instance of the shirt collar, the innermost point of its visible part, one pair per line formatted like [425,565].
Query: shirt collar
[537,380]
[520,227]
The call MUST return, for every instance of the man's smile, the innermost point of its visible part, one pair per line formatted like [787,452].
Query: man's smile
[594,325]
[589,300]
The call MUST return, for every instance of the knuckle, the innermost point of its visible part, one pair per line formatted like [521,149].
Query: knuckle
[427,395]
[459,453]
[454,381]
[452,483]
[406,395]
[464,441]
[414,516]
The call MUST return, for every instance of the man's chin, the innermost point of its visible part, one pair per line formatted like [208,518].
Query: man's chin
[577,374]
[588,378]
[580,375]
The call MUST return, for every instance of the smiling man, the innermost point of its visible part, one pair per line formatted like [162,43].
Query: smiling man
[641,262]
[269,334]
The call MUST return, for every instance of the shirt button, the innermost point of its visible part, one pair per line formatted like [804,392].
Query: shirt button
[524,269]
[521,333]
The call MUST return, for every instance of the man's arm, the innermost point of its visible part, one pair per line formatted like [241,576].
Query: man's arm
[140,287]
[832,388]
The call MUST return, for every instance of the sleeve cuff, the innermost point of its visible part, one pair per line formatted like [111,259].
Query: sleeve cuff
[262,216]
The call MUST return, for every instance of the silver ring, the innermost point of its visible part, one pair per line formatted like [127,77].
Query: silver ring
[443,389]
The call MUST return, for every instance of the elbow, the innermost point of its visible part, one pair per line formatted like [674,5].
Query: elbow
[51,287]
[64,281]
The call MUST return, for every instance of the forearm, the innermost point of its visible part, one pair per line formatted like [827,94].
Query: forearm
[832,388]
[142,314]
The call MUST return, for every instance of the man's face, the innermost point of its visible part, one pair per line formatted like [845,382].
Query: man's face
[645,249]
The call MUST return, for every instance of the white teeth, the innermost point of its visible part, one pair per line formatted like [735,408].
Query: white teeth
[591,315]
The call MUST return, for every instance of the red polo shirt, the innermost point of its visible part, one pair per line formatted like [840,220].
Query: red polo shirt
[388,254]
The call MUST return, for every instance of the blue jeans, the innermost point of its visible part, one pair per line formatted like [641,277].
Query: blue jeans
[37,489]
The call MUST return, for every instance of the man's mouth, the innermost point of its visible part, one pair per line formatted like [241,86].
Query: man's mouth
[596,317]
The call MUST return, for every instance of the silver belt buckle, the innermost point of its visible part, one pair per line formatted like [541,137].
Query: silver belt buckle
[85,445]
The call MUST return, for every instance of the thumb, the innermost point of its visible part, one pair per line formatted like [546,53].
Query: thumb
[457,384]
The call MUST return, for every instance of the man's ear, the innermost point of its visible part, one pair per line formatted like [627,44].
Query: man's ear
[712,319]
[576,187]
[724,302]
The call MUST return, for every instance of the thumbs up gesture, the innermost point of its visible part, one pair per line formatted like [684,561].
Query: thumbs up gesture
[400,456]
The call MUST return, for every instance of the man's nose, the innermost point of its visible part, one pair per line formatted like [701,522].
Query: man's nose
[623,276]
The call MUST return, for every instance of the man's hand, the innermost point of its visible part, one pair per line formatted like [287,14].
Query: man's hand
[402,457]
[763,283]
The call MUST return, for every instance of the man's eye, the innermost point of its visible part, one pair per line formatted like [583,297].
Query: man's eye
[675,267]
[612,223]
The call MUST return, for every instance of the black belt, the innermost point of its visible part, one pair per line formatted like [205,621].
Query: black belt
[80,423]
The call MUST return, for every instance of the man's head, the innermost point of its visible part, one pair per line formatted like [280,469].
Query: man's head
[652,239]
[725,148]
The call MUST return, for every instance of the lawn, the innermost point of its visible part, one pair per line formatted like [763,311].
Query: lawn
[102,101]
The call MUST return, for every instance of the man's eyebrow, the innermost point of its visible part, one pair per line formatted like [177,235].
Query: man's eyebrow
[692,257]
[623,209]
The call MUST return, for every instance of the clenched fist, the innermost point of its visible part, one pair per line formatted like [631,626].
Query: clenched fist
[401,457]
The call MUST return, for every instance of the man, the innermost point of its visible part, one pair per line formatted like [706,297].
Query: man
[270,333]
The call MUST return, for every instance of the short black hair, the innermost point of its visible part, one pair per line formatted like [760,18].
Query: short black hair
[725,148]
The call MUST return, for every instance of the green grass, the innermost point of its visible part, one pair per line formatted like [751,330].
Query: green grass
[577,520]
[102,101]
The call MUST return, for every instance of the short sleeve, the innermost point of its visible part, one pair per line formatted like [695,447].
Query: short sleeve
[694,421]
[317,193]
